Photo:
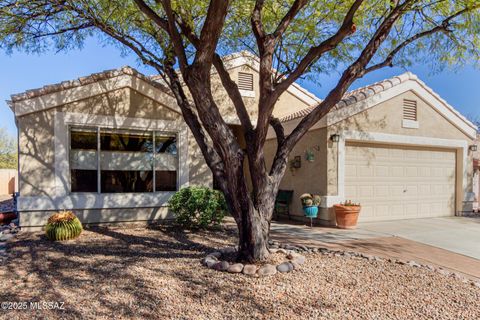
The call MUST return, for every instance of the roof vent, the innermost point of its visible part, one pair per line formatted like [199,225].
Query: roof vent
[409,110]
[245,81]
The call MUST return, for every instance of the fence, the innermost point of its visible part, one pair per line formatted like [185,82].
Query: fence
[8,181]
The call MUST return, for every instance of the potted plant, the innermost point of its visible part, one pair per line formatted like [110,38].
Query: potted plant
[310,204]
[346,214]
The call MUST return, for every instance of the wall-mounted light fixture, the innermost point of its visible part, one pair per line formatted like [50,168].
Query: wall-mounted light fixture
[335,137]
[296,163]
[473,147]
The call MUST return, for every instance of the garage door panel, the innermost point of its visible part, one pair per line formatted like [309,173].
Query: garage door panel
[400,183]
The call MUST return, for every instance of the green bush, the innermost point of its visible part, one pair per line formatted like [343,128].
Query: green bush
[198,207]
[63,226]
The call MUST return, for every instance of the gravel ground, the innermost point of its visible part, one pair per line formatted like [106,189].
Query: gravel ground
[6,203]
[156,273]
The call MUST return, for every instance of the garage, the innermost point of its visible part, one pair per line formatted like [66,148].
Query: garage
[397,182]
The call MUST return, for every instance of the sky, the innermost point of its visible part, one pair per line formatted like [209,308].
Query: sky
[20,72]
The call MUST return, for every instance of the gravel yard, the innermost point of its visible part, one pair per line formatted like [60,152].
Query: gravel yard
[156,273]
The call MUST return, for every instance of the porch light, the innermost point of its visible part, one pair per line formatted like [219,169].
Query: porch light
[335,137]
[473,147]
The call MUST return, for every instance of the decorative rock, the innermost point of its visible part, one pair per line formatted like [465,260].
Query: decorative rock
[273,250]
[292,255]
[267,270]
[413,264]
[444,272]
[216,254]
[476,284]
[228,250]
[285,267]
[221,266]
[5,237]
[273,246]
[235,268]
[282,251]
[295,265]
[250,269]
[209,261]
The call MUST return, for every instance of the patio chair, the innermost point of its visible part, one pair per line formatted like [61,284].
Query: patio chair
[282,203]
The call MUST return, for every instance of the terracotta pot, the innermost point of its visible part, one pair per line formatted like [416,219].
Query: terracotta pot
[346,216]
[7,217]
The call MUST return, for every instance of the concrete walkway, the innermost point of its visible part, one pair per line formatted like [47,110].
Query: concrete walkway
[451,243]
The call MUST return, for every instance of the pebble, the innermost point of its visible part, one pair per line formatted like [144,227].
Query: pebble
[298,260]
[216,254]
[285,267]
[235,268]
[250,269]
[267,270]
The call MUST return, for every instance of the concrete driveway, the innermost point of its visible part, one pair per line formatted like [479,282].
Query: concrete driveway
[452,243]
[456,234]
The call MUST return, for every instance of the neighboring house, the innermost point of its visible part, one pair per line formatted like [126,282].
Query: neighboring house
[476,174]
[8,181]
[113,147]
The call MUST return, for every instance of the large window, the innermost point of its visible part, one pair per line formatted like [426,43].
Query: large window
[121,161]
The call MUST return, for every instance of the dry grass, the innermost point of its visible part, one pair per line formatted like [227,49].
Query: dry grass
[155,273]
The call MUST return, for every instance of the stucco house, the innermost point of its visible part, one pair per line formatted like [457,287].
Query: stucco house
[113,147]
[476,175]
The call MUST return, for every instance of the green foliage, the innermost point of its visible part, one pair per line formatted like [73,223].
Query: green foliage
[308,200]
[350,203]
[198,207]
[8,151]
[34,26]
[63,226]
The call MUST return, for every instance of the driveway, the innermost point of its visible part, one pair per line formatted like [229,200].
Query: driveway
[456,234]
[452,243]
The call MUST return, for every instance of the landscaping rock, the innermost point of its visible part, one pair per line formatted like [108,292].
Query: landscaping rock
[4,237]
[216,254]
[228,250]
[250,269]
[235,268]
[285,267]
[221,266]
[273,250]
[267,270]
[209,261]
[281,251]
[413,264]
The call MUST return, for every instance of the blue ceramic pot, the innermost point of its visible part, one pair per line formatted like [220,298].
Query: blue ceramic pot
[311,211]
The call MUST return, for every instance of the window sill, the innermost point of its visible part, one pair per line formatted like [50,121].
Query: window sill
[91,200]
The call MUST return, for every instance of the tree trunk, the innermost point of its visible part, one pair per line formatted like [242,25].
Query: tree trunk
[253,232]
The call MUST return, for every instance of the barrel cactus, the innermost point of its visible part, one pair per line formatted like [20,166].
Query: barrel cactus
[63,226]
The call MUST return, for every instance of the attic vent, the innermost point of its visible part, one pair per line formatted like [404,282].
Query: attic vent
[245,81]
[409,110]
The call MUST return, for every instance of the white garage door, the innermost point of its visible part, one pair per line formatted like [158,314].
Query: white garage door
[399,182]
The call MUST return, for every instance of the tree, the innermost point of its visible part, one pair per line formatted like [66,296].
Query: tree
[8,151]
[293,39]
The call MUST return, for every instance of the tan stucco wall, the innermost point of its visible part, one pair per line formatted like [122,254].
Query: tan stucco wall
[286,104]
[311,177]
[387,118]
[36,137]
[321,176]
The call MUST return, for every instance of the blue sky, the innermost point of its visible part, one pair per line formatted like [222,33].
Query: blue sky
[20,72]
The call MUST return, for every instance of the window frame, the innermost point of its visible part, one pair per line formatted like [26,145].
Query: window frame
[98,130]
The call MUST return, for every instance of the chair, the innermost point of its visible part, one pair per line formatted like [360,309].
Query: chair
[282,202]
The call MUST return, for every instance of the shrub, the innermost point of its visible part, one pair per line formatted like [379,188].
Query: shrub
[63,226]
[198,207]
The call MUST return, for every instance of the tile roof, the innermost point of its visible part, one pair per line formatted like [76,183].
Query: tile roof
[94,77]
[357,95]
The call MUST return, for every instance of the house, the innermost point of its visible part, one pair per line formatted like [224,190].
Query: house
[476,174]
[396,147]
[113,147]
